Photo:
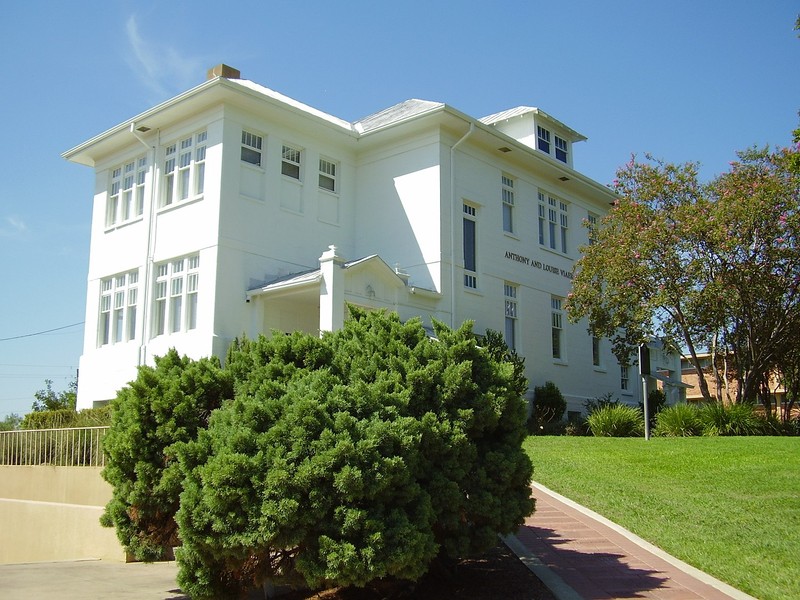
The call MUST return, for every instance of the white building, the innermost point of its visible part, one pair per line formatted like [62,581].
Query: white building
[233,209]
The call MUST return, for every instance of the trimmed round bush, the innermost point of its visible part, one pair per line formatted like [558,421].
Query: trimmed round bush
[680,420]
[617,420]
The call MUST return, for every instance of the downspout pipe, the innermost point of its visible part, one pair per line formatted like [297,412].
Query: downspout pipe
[453,223]
[151,226]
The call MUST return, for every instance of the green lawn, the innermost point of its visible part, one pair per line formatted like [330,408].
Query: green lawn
[728,505]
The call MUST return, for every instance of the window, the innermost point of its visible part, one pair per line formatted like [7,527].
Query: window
[290,162]
[175,296]
[118,299]
[561,149]
[557,330]
[510,292]
[126,192]
[542,139]
[184,169]
[595,351]
[623,377]
[591,222]
[470,253]
[507,186]
[251,148]
[553,223]
[327,175]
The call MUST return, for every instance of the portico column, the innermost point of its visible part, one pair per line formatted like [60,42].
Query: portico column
[331,293]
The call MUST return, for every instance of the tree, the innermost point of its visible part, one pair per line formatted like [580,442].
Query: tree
[705,265]
[165,405]
[641,276]
[49,399]
[361,455]
[11,422]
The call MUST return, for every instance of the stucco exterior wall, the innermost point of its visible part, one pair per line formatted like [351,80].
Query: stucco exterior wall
[52,513]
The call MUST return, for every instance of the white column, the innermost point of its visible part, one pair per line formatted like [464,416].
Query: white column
[331,293]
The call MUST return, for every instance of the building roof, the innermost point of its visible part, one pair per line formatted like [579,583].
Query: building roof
[521,111]
[396,114]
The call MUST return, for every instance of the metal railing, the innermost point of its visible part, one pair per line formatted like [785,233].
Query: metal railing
[73,447]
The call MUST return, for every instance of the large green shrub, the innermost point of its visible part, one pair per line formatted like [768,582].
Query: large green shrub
[165,405]
[358,456]
[618,420]
[680,420]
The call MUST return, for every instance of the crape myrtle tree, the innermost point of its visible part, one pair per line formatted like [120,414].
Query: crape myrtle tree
[712,265]
[164,405]
[363,454]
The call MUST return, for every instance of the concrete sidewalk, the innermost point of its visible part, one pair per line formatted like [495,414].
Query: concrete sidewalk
[580,555]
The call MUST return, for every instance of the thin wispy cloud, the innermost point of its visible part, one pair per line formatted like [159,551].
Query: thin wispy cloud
[12,226]
[162,68]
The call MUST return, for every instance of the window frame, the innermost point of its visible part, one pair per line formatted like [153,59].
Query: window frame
[561,147]
[183,177]
[557,328]
[507,196]
[125,199]
[175,296]
[553,220]
[292,162]
[470,245]
[332,175]
[511,314]
[543,139]
[252,145]
[117,308]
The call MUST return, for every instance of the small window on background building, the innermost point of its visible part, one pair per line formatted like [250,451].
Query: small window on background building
[595,351]
[507,187]
[623,377]
[251,148]
[591,220]
[561,149]
[543,139]
[327,175]
[290,162]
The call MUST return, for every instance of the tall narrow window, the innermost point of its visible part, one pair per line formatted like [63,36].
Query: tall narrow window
[561,149]
[118,297]
[556,329]
[126,191]
[175,296]
[141,173]
[128,208]
[552,221]
[542,139]
[510,292]
[564,221]
[623,377]
[591,222]
[470,251]
[290,162]
[507,187]
[169,174]
[200,163]
[327,175]
[251,148]
[595,351]
[542,210]
[112,208]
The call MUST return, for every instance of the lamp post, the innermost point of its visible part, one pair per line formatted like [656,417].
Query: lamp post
[644,373]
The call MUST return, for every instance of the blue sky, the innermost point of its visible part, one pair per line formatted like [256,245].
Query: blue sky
[686,80]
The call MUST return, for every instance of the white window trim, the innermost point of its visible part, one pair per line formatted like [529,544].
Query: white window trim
[553,223]
[126,192]
[291,159]
[328,170]
[252,145]
[511,313]
[507,194]
[118,308]
[175,296]
[183,177]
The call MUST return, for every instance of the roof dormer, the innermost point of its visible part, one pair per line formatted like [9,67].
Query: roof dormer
[536,129]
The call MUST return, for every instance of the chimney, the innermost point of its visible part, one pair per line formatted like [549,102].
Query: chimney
[222,70]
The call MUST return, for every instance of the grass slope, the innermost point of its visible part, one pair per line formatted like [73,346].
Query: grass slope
[729,506]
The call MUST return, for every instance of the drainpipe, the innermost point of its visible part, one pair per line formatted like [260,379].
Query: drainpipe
[151,226]
[453,223]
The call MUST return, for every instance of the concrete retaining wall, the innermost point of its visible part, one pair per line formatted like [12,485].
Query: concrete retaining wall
[52,513]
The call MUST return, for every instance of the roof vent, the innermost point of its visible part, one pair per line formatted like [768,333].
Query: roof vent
[222,70]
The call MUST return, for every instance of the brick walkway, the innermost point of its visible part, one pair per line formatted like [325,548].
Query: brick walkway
[581,555]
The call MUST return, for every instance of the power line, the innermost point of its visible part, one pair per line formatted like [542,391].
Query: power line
[17,337]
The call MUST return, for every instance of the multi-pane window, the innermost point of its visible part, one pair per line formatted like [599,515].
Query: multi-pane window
[184,169]
[175,296]
[126,192]
[290,161]
[595,351]
[470,250]
[543,139]
[623,377]
[591,221]
[118,301]
[251,148]
[507,187]
[557,327]
[510,293]
[327,175]
[553,223]
[561,148]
